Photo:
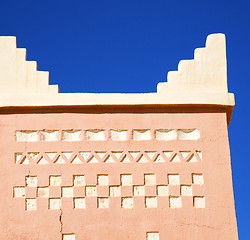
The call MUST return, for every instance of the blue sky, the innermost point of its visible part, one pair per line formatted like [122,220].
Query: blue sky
[129,46]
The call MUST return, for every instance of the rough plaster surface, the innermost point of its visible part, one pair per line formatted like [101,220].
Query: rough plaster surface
[167,196]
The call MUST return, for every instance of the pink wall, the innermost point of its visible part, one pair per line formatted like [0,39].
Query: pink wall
[212,216]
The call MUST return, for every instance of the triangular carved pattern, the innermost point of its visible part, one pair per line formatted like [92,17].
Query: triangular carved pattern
[82,157]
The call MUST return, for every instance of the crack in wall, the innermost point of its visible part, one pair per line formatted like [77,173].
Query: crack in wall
[61,223]
[60,216]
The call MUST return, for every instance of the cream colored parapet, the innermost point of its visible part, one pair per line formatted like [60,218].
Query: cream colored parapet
[206,73]
[202,80]
[18,76]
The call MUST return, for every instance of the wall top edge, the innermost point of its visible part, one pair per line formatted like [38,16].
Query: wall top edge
[200,81]
[92,99]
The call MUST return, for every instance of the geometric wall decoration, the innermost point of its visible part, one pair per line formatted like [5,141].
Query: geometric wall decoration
[150,166]
[75,135]
[171,191]
[83,157]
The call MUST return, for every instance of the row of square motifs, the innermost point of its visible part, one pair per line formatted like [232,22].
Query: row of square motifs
[149,236]
[102,135]
[107,157]
[172,191]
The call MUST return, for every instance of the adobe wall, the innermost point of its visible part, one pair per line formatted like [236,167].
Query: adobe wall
[166,174]
[150,166]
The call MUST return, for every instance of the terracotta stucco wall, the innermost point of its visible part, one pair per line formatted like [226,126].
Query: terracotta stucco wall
[116,189]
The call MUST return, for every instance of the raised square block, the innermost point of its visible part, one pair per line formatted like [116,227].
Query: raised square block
[197,178]
[54,203]
[19,192]
[103,202]
[151,202]
[126,180]
[139,190]
[67,192]
[68,237]
[91,191]
[186,190]
[115,191]
[31,204]
[175,202]
[150,179]
[199,202]
[103,180]
[127,202]
[55,180]
[31,181]
[162,191]
[79,203]
[173,179]
[79,180]
[152,236]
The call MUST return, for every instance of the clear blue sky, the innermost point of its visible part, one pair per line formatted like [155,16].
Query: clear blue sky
[129,46]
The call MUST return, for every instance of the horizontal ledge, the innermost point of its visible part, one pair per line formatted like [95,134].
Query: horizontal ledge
[95,99]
